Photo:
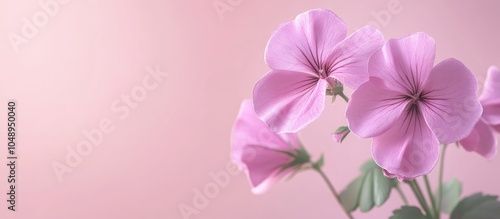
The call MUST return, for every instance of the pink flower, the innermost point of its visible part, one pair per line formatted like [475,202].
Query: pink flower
[482,139]
[409,107]
[264,155]
[306,56]
[490,98]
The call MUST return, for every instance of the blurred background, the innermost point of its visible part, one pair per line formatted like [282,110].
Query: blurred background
[166,78]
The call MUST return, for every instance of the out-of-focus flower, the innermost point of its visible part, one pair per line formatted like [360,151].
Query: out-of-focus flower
[482,139]
[490,98]
[262,154]
[307,56]
[409,107]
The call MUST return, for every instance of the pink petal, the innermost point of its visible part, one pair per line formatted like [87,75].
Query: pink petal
[350,57]
[337,136]
[491,113]
[408,149]
[490,97]
[496,128]
[250,130]
[471,142]
[291,139]
[373,109]
[390,175]
[491,90]
[267,183]
[452,108]
[256,149]
[287,101]
[264,164]
[482,140]
[301,45]
[404,64]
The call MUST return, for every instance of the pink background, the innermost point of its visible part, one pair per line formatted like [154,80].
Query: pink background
[93,51]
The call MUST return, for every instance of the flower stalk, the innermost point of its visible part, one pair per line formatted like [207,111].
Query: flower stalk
[401,194]
[332,189]
[431,196]
[440,183]
[420,196]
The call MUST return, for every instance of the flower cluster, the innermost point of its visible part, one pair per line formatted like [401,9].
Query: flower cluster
[402,100]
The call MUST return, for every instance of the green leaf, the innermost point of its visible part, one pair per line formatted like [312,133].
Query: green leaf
[345,135]
[350,196]
[370,189]
[381,188]
[477,206]
[319,164]
[366,202]
[408,212]
[299,158]
[369,166]
[341,129]
[450,195]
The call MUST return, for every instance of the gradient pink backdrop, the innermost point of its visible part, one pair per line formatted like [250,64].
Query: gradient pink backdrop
[93,51]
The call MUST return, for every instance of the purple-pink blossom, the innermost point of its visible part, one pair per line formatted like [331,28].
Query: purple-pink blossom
[409,106]
[261,153]
[482,139]
[490,98]
[307,56]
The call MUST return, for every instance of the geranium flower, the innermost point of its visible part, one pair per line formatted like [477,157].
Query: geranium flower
[306,56]
[490,98]
[482,139]
[264,155]
[409,107]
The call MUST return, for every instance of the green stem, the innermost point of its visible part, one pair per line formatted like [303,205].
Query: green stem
[401,194]
[421,199]
[431,196]
[344,97]
[440,183]
[334,192]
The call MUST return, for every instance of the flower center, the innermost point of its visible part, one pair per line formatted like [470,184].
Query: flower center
[322,73]
[413,102]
